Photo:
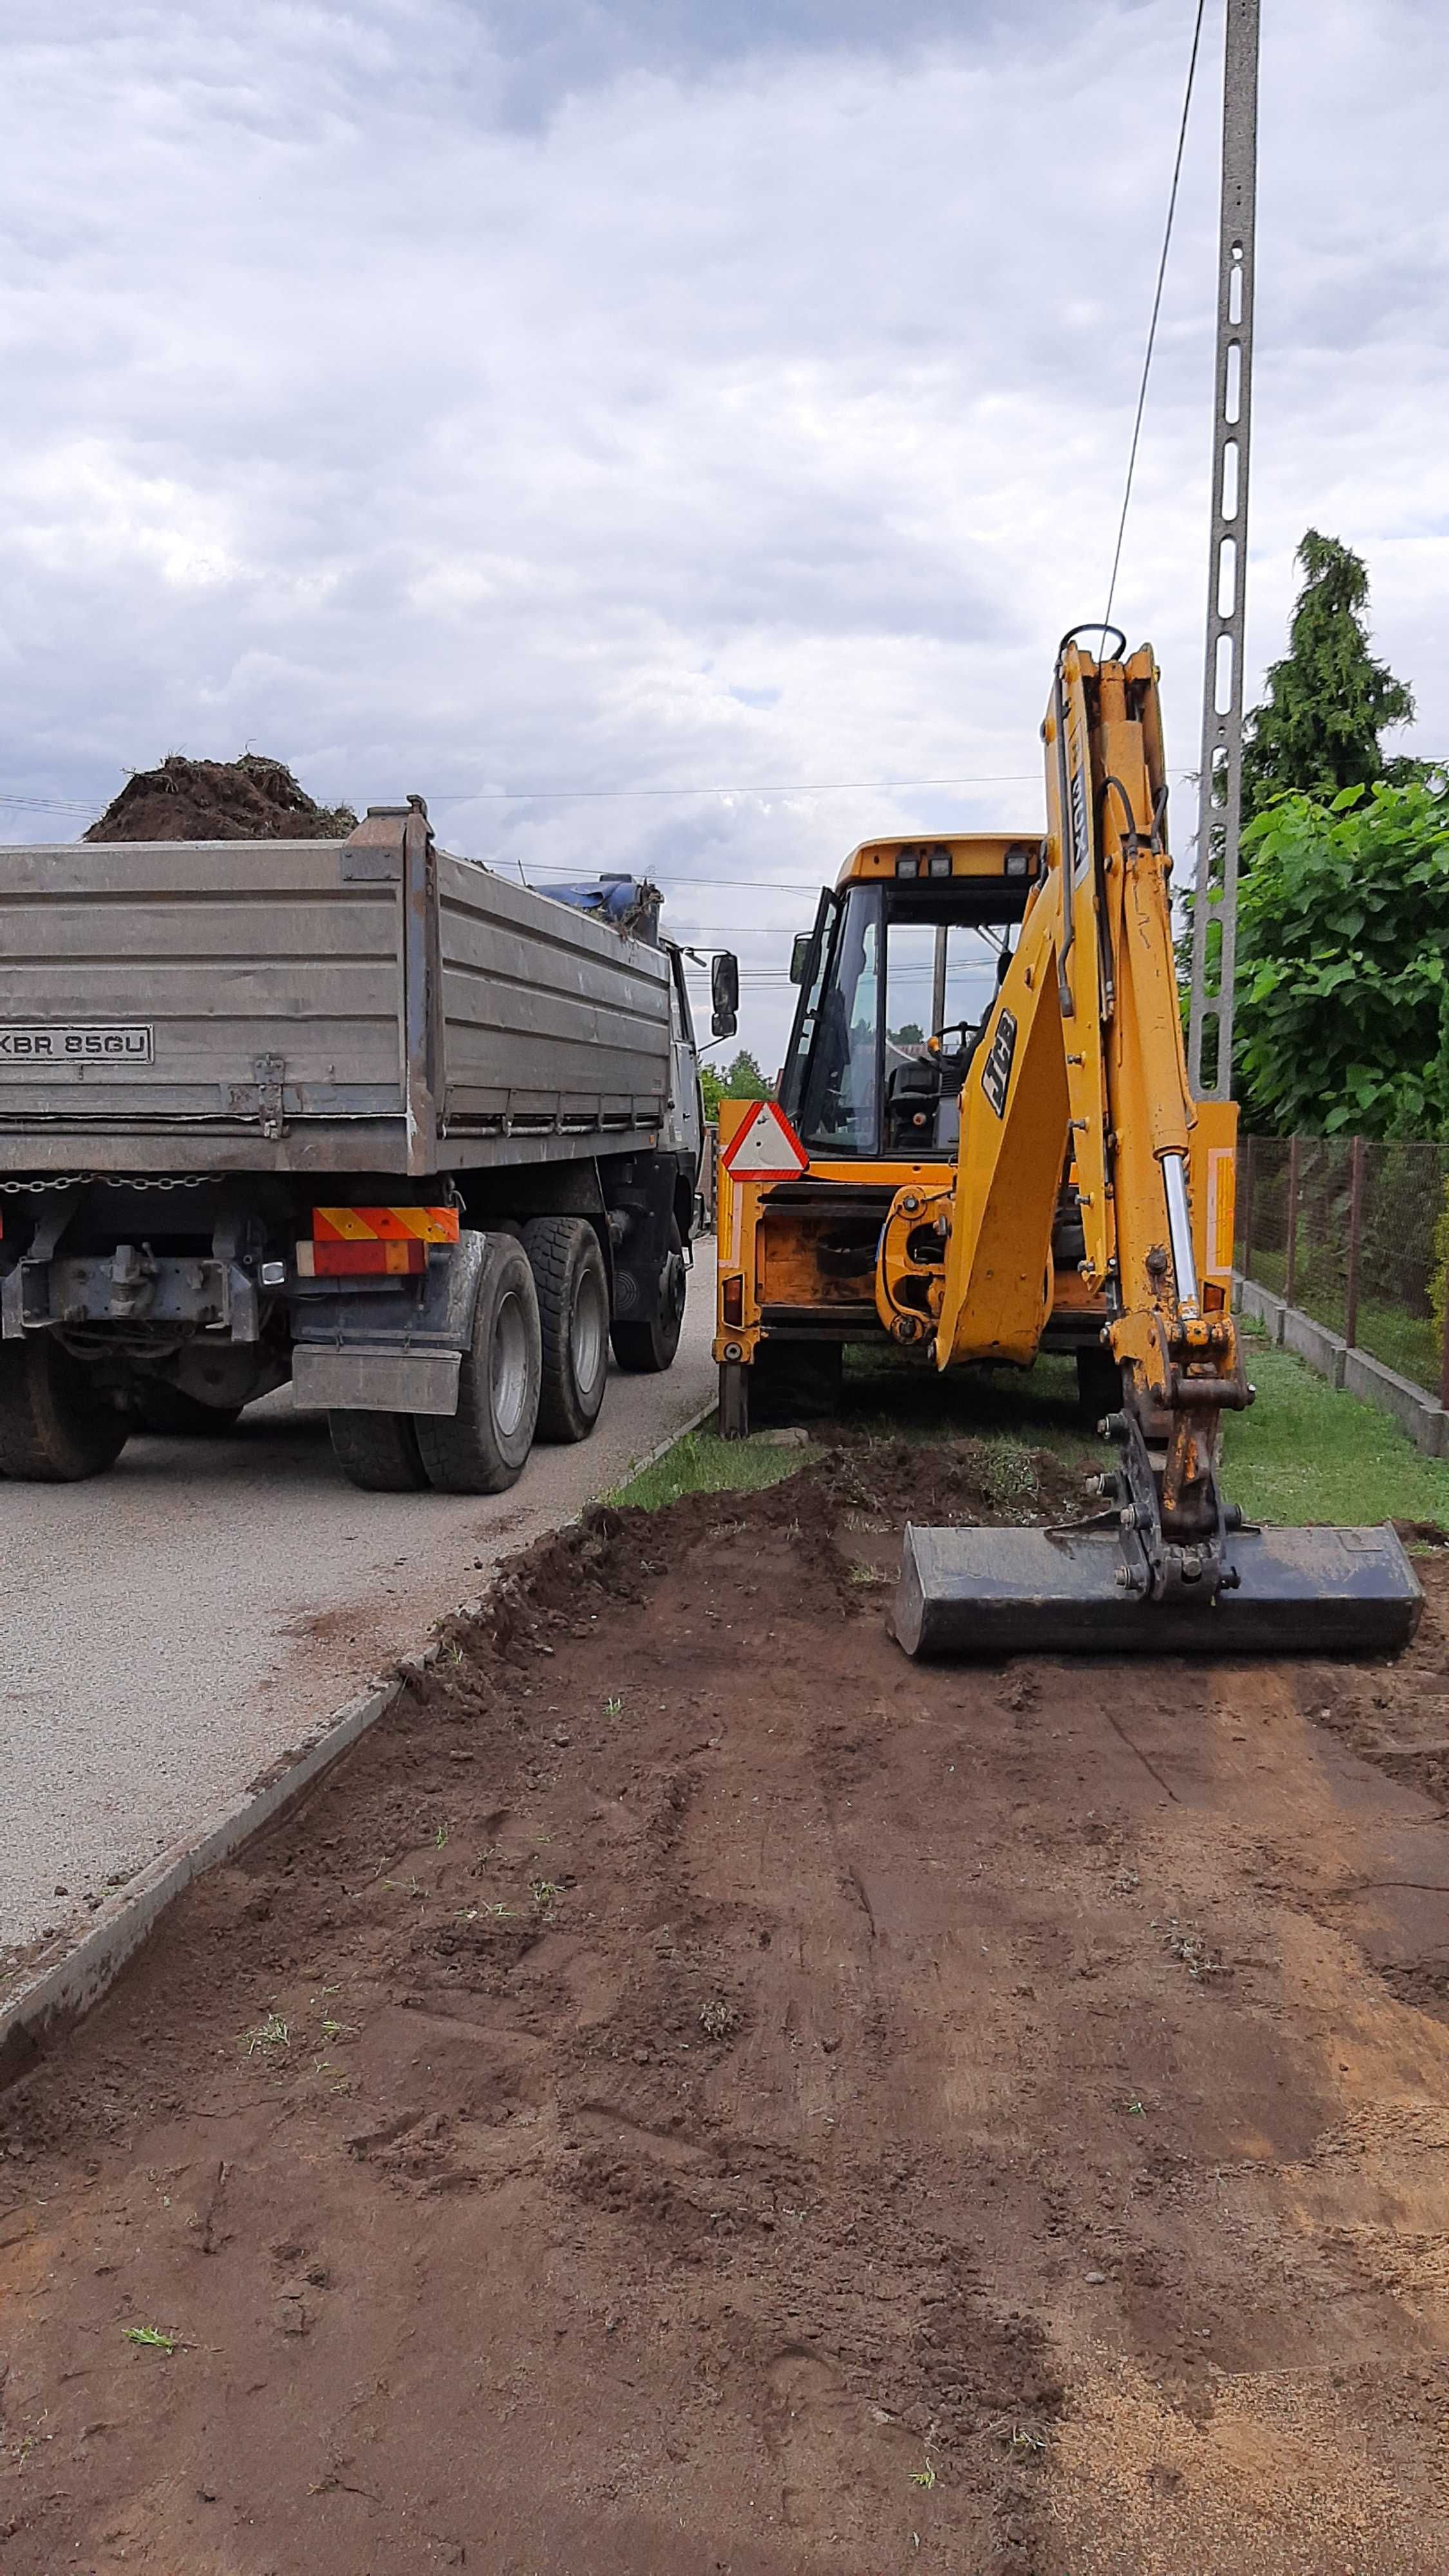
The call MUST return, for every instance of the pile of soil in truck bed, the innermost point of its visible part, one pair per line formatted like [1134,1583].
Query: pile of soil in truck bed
[251,799]
[699,2095]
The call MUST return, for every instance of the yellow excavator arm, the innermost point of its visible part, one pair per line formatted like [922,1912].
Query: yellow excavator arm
[1080,1067]
[945,1188]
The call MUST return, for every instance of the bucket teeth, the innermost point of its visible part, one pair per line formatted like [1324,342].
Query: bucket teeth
[988,1592]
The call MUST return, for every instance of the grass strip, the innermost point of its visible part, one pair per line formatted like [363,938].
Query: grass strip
[1305,1452]
[703,1463]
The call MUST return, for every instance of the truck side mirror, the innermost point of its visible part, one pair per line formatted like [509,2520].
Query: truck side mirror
[724,993]
[801,946]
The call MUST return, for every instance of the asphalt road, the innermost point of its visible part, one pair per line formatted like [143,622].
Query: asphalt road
[174,1626]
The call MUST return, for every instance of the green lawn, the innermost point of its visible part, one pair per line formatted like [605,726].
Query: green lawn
[1302,1453]
[702,1463]
[1307,1453]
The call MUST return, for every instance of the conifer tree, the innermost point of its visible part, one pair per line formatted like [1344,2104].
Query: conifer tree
[1328,700]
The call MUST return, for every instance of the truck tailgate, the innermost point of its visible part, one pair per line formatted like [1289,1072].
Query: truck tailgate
[211,982]
[369,1004]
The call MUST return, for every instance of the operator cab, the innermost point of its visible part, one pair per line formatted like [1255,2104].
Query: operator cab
[898,979]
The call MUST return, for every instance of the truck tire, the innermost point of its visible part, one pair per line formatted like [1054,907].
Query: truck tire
[483,1447]
[169,1413]
[649,1348]
[54,1427]
[378,1452]
[573,1315]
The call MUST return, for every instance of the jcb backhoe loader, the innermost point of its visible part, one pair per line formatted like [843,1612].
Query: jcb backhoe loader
[1029,1172]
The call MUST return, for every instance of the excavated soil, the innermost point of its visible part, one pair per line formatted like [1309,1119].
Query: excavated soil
[251,799]
[699,2094]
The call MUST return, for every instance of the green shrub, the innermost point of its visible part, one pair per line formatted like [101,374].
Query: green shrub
[1343,964]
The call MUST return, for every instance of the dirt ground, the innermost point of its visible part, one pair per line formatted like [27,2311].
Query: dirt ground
[251,799]
[699,2094]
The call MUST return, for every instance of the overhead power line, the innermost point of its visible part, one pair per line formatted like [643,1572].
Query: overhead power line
[667,877]
[46,805]
[1156,309]
[810,787]
[562,795]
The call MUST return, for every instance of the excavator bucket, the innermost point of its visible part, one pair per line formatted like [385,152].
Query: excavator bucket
[983,1593]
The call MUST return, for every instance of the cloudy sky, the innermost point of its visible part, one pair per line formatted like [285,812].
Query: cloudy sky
[500,395]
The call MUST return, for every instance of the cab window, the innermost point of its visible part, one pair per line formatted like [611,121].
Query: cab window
[840,1109]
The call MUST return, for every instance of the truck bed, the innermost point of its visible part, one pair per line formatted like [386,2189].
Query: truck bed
[305,1006]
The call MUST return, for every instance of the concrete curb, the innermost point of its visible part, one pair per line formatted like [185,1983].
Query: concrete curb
[58,1998]
[64,1992]
[1417,1412]
[1260,1305]
[1327,1352]
[1419,1415]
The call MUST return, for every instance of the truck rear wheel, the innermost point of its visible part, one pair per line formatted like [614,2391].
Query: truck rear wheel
[483,1447]
[650,1348]
[573,1315]
[54,1426]
[378,1452]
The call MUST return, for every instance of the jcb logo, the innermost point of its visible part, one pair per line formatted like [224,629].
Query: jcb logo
[996,1071]
[1081,833]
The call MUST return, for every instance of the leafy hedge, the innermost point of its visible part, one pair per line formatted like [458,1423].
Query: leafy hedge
[1343,964]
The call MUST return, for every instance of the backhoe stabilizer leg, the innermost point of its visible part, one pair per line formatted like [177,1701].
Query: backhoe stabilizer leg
[734,1400]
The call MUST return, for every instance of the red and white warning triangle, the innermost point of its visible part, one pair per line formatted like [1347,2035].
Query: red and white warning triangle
[765,1147]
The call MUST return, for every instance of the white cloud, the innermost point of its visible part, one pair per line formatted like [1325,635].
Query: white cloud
[452,400]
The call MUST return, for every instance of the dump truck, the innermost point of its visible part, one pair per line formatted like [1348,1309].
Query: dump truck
[986,1148]
[358,1114]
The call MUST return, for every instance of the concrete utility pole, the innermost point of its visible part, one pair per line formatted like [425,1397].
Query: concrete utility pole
[1210,1029]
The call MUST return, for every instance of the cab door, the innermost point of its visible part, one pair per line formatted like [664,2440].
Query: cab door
[684,1120]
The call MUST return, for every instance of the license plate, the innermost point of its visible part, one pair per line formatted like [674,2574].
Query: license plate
[41,1046]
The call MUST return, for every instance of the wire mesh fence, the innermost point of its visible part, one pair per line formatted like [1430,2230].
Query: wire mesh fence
[1357,1235]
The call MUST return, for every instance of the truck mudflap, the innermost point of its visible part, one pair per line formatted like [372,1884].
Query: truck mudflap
[980,1593]
[364,1353]
[359,1379]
